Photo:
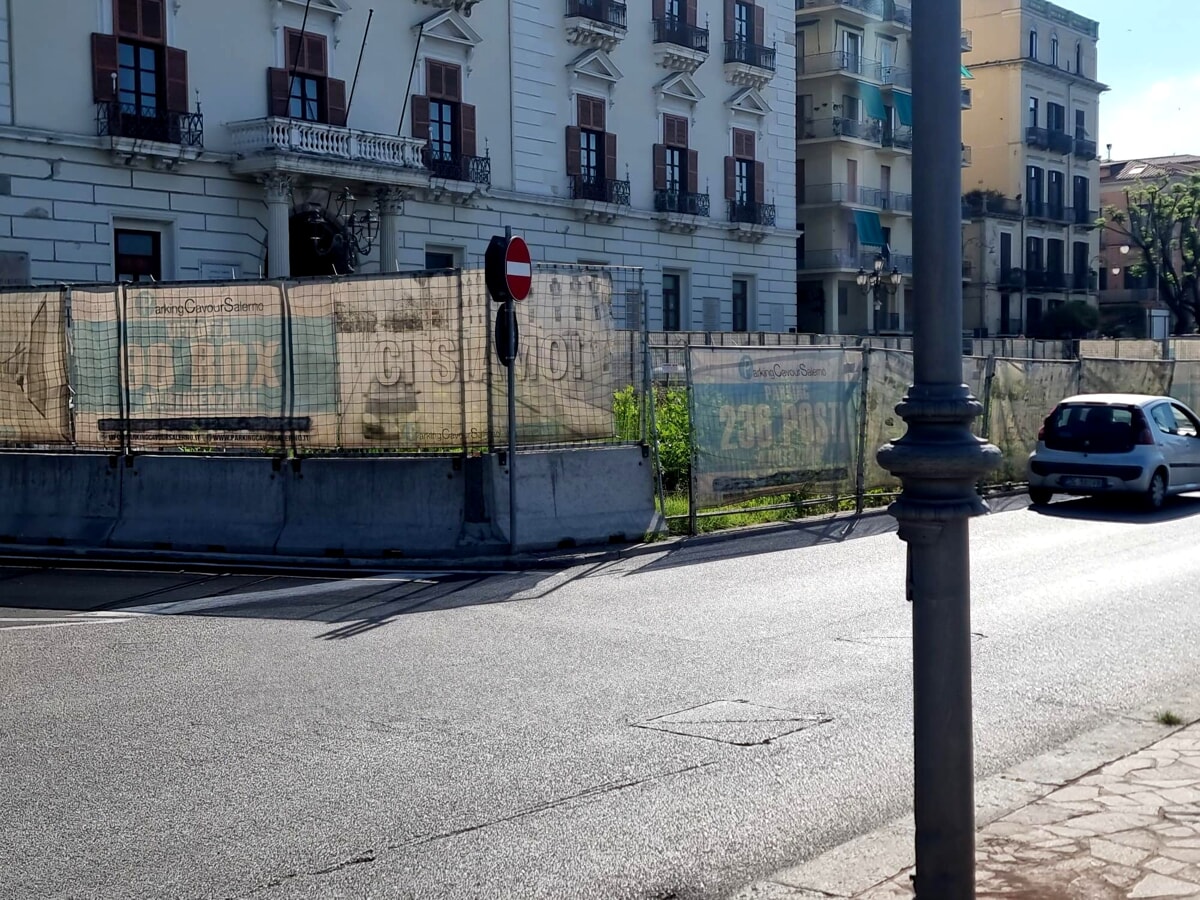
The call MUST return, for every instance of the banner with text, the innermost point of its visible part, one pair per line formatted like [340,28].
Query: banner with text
[96,367]
[33,369]
[773,421]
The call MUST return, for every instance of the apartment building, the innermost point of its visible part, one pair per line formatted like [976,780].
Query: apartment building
[1031,193]
[271,138]
[853,165]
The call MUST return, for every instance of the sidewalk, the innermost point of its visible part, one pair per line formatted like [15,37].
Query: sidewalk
[1127,829]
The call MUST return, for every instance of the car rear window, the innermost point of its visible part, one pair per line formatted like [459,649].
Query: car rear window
[1093,428]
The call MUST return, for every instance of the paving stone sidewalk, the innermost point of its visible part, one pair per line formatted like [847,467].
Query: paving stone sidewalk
[1129,829]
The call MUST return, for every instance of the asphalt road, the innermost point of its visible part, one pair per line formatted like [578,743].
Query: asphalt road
[673,725]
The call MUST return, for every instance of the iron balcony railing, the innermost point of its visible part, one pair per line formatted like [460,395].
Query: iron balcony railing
[895,202]
[1012,278]
[894,76]
[750,54]
[900,13]
[1049,210]
[124,120]
[1061,142]
[838,258]
[682,202]
[1083,217]
[1037,137]
[840,61]
[673,30]
[871,7]
[966,155]
[899,137]
[1085,149]
[901,262]
[459,167]
[855,194]
[609,12]
[863,130]
[991,206]
[749,212]
[603,190]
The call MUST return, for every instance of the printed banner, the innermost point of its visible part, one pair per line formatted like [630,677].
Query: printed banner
[95,366]
[1124,376]
[33,369]
[771,421]
[889,374]
[1185,382]
[1023,392]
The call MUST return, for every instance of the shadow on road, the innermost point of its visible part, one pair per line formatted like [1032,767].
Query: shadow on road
[1121,509]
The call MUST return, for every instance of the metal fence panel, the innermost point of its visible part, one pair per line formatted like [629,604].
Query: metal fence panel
[34,393]
[1124,376]
[1185,381]
[1022,393]
[95,333]
[770,421]
[889,373]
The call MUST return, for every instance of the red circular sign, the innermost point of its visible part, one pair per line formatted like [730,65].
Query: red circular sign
[518,268]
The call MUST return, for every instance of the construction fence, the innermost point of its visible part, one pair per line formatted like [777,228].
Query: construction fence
[769,422]
[391,364]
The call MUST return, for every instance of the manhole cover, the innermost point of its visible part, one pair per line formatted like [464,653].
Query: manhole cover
[736,722]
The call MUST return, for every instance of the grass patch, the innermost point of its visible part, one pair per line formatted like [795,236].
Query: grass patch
[1166,717]
[792,506]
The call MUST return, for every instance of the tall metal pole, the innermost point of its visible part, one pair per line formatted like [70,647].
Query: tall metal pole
[510,306]
[939,462]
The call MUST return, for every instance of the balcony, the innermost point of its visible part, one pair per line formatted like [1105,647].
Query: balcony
[1039,278]
[1083,218]
[1048,211]
[297,147]
[749,65]
[1085,149]
[896,203]
[899,137]
[1011,279]
[895,77]
[1038,138]
[976,206]
[898,261]
[682,203]
[134,131]
[967,41]
[966,155]
[966,98]
[596,23]
[855,195]
[1061,142]
[868,7]
[897,14]
[870,130]
[1084,282]
[748,212]
[839,258]
[839,62]
[457,167]
[600,190]
[678,45]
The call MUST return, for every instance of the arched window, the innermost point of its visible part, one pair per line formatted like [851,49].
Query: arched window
[1033,43]
[1054,51]
[1079,57]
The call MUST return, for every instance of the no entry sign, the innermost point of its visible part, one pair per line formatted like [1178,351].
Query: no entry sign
[508,269]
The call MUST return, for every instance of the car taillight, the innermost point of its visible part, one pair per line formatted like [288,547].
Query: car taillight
[1145,437]
[1042,432]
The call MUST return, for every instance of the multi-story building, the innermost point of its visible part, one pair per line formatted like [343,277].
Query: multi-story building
[853,164]
[272,138]
[1031,193]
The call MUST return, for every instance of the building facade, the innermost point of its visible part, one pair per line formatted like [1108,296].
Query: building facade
[1031,193]
[853,164]
[273,138]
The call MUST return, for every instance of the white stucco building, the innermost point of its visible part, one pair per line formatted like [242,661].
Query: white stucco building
[208,139]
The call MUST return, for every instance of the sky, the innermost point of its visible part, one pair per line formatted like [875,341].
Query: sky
[1149,55]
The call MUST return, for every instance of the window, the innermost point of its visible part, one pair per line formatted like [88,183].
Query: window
[741,304]
[743,19]
[591,159]
[744,177]
[1079,57]
[441,258]
[305,102]
[671,299]
[1056,194]
[442,131]
[1033,44]
[1055,263]
[1033,255]
[1033,112]
[1034,179]
[1005,256]
[138,79]
[673,10]
[1083,212]
[1079,266]
[1054,51]
[446,123]
[591,151]
[852,49]
[138,255]
[1005,313]
[1185,424]
[851,109]
[744,189]
[1056,117]
[1080,125]
[303,89]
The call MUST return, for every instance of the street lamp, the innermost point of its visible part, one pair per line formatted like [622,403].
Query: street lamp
[877,283]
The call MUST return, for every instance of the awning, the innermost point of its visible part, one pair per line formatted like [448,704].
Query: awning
[966,73]
[903,103]
[870,231]
[872,100]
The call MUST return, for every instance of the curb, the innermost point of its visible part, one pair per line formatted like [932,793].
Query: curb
[872,859]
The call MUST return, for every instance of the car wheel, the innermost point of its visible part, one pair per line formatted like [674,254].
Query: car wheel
[1040,496]
[1156,494]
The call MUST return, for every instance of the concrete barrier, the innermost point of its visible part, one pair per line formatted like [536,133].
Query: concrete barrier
[571,498]
[373,507]
[58,499]
[224,504]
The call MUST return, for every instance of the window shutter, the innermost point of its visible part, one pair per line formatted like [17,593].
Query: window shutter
[293,43]
[335,102]
[452,82]
[659,9]
[660,167]
[574,155]
[177,80]
[760,178]
[599,114]
[153,20]
[610,156]
[126,18]
[730,178]
[314,54]
[730,23]
[277,92]
[583,111]
[104,66]
[760,25]
[467,144]
[691,12]
[435,79]
[420,117]
[693,171]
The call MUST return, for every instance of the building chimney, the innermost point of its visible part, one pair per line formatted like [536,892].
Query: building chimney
[1109,146]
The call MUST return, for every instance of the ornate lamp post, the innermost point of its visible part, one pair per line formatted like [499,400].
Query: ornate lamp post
[876,283]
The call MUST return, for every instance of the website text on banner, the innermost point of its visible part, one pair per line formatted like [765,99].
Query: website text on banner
[768,422]
[33,369]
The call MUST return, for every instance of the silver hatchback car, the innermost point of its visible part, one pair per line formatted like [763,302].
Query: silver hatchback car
[1116,443]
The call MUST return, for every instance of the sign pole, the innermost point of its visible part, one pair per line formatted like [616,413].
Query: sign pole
[510,307]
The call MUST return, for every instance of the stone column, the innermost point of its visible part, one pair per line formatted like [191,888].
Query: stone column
[391,204]
[279,210]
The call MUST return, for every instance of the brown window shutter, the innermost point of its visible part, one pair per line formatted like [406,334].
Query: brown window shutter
[127,18]
[693,171]
[599,114]
[177,80]
[435,80]
[660,167]
[420,117]
[610,156]
[452,82]
[104,66]
[675,131]
[760,179]
[760,26]
[293,45]
[730,178]
[277,92]
[153,20]
[583,111]
[335,102]
[466,142]
[691,12]
[314,54]
[574,155]
[743,143]
[658,9]
[730,22]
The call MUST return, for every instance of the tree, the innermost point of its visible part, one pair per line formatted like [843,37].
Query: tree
[1162,223]
[1072,320]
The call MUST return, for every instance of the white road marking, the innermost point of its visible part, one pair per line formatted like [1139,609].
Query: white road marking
[61,624]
